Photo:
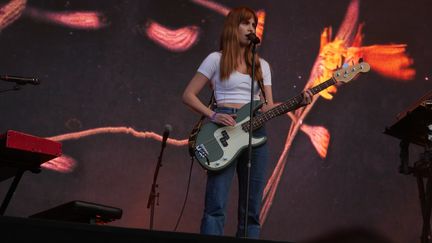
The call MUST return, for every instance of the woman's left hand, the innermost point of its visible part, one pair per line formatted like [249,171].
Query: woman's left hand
[307,97]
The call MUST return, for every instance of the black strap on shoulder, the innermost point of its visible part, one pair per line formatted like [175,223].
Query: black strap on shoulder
[261,85]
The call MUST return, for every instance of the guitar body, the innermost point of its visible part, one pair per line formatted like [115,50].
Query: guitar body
[217,146]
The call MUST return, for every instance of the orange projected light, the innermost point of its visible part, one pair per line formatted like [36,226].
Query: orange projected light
[11,12]
[217,7]
[76,20]
[260,25]
[114,130]
[223,10]
[79,20]
[62,164]
[66,164]
[387,60]
[319,136]
[175,40]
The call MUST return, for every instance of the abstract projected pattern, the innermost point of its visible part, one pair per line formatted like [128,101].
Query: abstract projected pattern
[112,74]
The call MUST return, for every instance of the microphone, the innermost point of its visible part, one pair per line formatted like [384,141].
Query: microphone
[20,80]
[253,38]
[168,129]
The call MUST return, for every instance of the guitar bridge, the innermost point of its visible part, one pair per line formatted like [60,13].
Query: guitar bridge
[201,151]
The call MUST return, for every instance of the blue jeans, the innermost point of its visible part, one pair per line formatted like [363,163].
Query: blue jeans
[219,184]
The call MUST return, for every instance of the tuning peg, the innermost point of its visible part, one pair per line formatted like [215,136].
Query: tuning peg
[345,65]
[360,60]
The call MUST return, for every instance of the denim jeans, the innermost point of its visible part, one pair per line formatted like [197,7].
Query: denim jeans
[219,184]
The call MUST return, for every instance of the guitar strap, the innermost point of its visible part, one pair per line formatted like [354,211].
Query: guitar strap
[197,127]
[261,86]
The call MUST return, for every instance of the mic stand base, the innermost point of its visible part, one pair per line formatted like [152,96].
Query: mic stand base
[153,194]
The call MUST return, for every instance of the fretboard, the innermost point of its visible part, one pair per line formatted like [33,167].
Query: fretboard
[291,104]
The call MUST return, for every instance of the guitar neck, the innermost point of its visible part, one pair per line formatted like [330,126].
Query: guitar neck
[285,107]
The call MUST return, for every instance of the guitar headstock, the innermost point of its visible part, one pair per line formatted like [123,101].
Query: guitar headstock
[347,74]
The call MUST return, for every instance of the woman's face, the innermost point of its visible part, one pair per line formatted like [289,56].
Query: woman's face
[246,27]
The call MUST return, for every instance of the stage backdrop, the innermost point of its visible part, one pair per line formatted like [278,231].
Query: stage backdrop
[112,75]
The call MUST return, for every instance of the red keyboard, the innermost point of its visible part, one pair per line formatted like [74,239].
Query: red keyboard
[24,151]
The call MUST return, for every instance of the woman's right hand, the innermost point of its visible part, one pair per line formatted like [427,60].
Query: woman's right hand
[224,119]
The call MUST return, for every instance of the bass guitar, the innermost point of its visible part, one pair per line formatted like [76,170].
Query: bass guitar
[217,146]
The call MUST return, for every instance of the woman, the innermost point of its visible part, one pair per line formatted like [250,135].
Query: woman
[229,74]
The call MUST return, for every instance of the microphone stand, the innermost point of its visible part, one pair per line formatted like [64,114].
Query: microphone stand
[15,88]
[251,108]
[153,194]
[19,82]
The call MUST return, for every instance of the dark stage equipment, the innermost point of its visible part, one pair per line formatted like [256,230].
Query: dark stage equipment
[415,126]
[81,212]
[20,152]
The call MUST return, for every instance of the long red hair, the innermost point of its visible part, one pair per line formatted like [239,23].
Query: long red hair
[230,44]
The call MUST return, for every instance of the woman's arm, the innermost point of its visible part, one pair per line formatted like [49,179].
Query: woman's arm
[190,98]
[190,95]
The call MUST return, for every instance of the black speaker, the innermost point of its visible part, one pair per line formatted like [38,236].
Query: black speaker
[82,212]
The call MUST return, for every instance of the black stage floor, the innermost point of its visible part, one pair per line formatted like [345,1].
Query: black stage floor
[15,229]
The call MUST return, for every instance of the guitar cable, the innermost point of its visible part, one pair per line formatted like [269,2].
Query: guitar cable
[187,194]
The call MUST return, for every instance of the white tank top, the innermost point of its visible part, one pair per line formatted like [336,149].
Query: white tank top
[236,89]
